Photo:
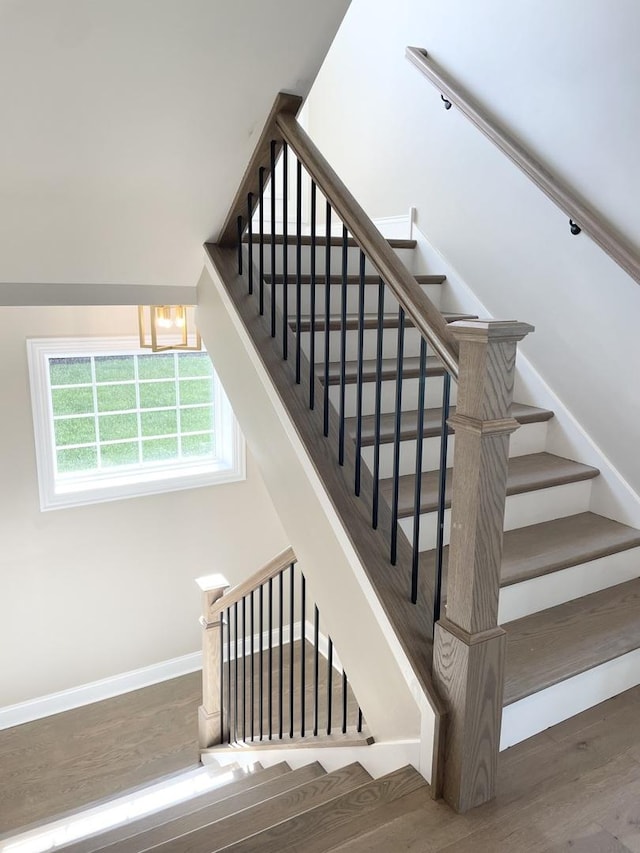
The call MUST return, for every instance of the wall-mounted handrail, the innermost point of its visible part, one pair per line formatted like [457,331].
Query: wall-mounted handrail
[579,212]
[417,306]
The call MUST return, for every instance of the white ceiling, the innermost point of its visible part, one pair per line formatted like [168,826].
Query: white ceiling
[126,126]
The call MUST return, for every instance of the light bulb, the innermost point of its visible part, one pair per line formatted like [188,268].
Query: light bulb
[163,316]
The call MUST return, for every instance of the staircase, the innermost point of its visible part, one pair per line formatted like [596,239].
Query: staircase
[569,588]
[270,809]
[557,555]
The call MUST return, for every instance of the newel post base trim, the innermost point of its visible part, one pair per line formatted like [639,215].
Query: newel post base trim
[468,670]
[208,728]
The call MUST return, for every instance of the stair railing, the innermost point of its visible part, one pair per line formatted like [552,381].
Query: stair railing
[468,645]
[582,216]
[269,674]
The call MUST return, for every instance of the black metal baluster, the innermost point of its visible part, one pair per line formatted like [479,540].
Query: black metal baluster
[291,645]
[252,696]
[239,225]
[360,372]
[396,440]
[298,264]
[442,487]
[261,661]
[280,651]
[343,342]
[250,240]
[378,407]
[312,295]
[273,239]
[316,669]
[303,642]
[359,719]
[222,711]
[285,253]
[417,497]
[228,611]
[244,668]
[270,672]
[261,172]
[344,702]
[329,685]
[235,660]
[327,317]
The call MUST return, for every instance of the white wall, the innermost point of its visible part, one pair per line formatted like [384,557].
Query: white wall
[94,591]
[128,124]
[563,78]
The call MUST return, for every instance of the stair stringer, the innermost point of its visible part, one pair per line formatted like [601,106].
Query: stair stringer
[397,703]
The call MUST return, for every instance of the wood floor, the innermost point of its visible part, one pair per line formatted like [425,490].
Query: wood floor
[575,787]
[62,762]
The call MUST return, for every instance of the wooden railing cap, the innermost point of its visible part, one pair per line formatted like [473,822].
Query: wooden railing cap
[490,330]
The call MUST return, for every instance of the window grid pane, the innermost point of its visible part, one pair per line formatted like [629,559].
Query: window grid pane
[155,431]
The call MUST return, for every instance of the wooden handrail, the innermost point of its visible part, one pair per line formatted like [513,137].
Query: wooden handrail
[585,216]
[269,570]
[288,105]
[416,305]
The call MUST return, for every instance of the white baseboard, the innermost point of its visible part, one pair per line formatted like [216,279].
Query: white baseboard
[95,691]
[115,685]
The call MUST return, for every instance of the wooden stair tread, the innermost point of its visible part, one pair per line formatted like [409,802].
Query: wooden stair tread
[539,549]
[389,321]
[555,644]
[241,782]
[387,828]
[351,279]
[324,826]
[246,824]
[526,473]
[183,827]
[321,240]
[432,423]
[553,545]
[411,369]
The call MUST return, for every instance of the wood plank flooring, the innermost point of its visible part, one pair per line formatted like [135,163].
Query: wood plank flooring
[64,761]
[575,787]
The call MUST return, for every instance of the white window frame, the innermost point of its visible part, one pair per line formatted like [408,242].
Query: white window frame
[228,466]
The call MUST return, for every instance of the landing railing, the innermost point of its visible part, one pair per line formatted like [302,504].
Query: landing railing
[269,674]
[582,216]
[468,645]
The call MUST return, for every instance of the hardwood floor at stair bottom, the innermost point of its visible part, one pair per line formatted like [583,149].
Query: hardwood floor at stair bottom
[64,761]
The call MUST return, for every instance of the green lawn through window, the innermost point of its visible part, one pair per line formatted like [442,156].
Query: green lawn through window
[123,410]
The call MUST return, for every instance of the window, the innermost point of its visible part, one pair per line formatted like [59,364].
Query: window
[114,421]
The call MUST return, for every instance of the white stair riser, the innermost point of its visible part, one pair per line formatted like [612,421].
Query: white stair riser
[520,511]
[530,438]
[538,712]
[353,260]
[370,344]
[433,395]
[539,593]
[433,291]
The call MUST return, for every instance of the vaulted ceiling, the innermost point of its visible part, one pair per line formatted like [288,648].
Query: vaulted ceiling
[127,124]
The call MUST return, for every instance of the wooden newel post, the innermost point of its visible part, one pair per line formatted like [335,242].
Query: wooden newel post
[469,647]
[209,713]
